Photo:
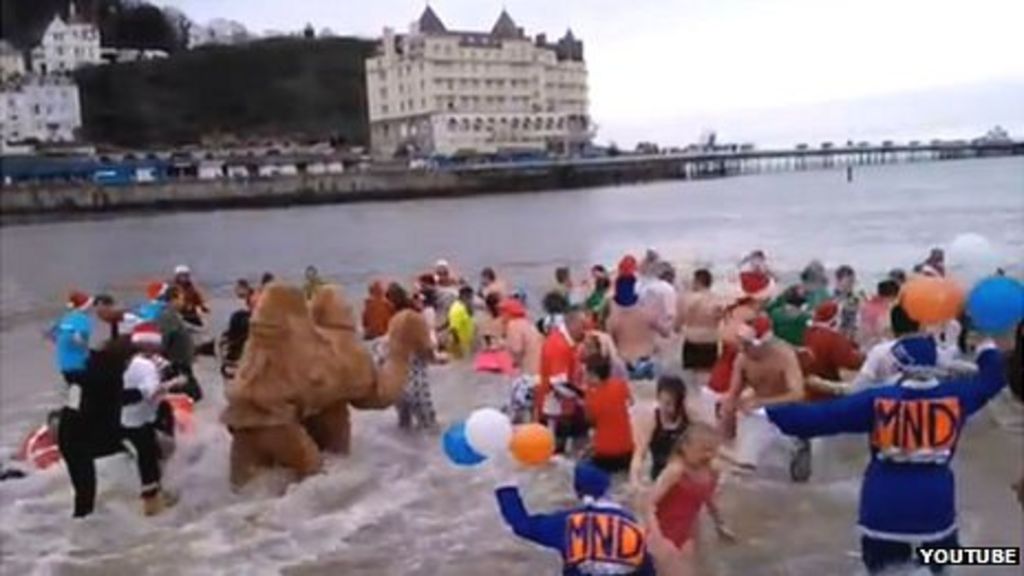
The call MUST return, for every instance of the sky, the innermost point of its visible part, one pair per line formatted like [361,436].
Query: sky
[773,72]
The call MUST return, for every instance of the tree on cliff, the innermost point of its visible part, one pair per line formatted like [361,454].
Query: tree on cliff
[122,23]
[277,88]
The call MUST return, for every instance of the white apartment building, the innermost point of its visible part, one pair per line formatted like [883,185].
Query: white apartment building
[445,92]
[12,61]
[66,46]
[43,108]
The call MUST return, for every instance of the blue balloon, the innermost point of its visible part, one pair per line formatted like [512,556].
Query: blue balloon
[457,448]
[996,305]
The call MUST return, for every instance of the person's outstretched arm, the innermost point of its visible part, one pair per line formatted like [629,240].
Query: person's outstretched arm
[851,414]
[544,529]
[990,379]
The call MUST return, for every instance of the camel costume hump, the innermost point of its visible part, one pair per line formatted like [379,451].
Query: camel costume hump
[408,339]
[278,363]
[350,373]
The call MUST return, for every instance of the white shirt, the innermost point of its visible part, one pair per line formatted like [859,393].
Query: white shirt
[142,375]
[880,367]
[662,298]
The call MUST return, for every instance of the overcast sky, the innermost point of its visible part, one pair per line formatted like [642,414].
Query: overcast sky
[769,71]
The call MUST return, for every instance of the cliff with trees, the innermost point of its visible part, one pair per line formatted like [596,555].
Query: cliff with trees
[297,88]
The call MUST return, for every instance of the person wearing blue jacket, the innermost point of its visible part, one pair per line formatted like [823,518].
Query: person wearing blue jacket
[908,495]
[71,335]
[596,537]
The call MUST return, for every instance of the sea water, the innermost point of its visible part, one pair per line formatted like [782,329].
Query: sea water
[395,506]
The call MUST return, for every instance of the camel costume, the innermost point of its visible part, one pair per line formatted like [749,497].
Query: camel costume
[301,369]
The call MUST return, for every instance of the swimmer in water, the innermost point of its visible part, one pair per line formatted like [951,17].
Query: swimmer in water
[607,403]
[558,402]
[698,319]
[657,432]
[635,329]
[686,486]
[143,388]
[908,498]
[767,372]
[524,343]
[575,532]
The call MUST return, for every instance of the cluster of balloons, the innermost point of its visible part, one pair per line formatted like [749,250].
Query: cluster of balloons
[488,432]
[995,304]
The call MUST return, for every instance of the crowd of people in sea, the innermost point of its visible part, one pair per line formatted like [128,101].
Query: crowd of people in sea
[764,369]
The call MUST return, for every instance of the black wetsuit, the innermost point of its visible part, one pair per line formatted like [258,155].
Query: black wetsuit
[91,427]
[232,342]
[663,440]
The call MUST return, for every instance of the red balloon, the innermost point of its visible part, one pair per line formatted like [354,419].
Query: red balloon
[930,300]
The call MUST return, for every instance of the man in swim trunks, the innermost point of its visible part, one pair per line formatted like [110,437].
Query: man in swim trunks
[770,370]
[634,329]
[698,319]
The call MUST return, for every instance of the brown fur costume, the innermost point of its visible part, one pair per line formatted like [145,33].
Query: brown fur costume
[301,368]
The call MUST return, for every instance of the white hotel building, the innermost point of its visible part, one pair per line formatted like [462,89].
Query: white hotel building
[66,46]
[42,108]
[439,91]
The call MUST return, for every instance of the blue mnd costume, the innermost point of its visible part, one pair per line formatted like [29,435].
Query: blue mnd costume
[596,538]
[908,494]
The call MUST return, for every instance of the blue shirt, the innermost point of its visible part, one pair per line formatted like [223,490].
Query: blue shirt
[593,539]
[72,354]
[908,494]
[151,311]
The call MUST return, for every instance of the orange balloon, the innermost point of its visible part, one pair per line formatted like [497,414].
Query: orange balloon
[931,300]
[532,444]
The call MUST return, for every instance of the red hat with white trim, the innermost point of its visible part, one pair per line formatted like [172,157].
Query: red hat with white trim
[757,331]
[756,285]
[827,312]
[79,300]
[147,334]
[155,290]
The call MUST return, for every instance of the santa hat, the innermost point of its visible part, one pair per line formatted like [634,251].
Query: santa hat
[625,291]
[156,290]
[827,312]
[79,300]
[916,355]
[590,482]
[147,334]
[756,284]
[512,308]
[627,266]
[758,331]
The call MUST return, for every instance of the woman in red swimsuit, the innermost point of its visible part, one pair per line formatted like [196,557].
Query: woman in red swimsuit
[684,487]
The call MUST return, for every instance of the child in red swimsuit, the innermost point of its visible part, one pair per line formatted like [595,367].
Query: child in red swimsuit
[686,485]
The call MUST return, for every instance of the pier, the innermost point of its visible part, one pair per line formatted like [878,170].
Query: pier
[733,162]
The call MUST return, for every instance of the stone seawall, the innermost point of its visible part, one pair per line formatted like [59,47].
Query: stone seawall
[49,199]
[26,203]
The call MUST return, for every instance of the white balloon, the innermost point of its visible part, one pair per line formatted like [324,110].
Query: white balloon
[488,431]
[970,258]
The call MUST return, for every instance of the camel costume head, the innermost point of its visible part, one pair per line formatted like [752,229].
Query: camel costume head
[302,367]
